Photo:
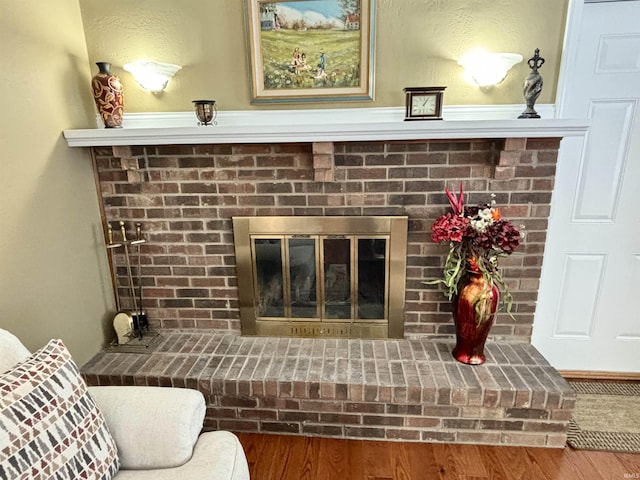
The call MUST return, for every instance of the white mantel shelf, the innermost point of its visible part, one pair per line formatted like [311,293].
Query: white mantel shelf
[338,125]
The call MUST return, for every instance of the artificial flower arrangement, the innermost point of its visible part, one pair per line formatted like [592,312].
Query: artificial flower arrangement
[477,236]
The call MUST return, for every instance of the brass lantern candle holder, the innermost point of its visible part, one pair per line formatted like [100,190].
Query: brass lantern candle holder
[206,112]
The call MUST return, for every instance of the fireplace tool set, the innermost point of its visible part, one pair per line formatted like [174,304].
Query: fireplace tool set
[129,323]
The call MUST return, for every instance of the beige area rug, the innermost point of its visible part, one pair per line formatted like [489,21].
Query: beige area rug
[607,416]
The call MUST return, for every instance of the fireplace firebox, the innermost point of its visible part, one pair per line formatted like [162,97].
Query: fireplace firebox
[321,276]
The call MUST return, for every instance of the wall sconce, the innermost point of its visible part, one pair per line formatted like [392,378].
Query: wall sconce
[488,69]
[150,75]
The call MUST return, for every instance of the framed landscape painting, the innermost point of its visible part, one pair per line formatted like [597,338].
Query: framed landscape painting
[310,50]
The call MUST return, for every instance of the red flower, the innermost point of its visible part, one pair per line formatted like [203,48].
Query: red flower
[483,240]
[506,236]
[449,228]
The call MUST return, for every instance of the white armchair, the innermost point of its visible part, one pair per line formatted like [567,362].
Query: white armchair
[156,429]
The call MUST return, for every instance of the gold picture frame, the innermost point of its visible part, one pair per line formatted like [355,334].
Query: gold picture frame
[310,50]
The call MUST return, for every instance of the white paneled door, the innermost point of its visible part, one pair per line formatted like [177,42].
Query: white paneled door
[588,312]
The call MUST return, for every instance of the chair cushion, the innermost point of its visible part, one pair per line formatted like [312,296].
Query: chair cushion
[49,425]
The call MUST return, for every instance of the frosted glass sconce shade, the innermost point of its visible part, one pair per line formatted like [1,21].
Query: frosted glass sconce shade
[488,69]
[150,75]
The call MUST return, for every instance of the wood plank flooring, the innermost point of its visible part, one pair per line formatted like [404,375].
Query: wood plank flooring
[279,457]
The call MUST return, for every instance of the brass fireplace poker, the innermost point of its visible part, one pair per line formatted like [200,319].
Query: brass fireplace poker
[129,324]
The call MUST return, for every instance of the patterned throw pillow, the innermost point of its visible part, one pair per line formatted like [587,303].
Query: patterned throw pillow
[50,428]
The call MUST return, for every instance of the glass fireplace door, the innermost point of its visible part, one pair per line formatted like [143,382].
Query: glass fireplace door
[303,286]
[336,263]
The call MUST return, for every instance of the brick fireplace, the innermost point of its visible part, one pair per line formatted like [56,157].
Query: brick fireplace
[185,196]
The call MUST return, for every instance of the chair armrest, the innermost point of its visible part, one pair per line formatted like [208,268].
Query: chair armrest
[217,456]
[153,427]
[12,350]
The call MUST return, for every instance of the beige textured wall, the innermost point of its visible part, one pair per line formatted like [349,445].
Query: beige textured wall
[418,43]
[53,271]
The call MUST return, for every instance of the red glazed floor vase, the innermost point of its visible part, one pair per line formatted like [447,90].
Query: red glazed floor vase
[473,314]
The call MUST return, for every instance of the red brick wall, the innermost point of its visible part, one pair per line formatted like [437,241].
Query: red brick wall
[185,196]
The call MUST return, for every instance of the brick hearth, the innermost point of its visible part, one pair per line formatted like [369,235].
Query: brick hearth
[409,390]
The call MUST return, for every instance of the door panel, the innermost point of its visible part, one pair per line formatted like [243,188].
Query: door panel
[599,188]
[581,279]
[629,324]
[618,54]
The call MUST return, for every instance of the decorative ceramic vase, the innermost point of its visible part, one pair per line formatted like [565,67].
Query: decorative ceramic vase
[107,92]
[474,311]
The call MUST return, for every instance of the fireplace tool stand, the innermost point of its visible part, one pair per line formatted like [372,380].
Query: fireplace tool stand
[129,324]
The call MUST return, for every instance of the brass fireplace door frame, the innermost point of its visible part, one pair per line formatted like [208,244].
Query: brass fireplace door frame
[393,228]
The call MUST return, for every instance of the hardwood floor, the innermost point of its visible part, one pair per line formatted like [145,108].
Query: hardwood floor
[278,457]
